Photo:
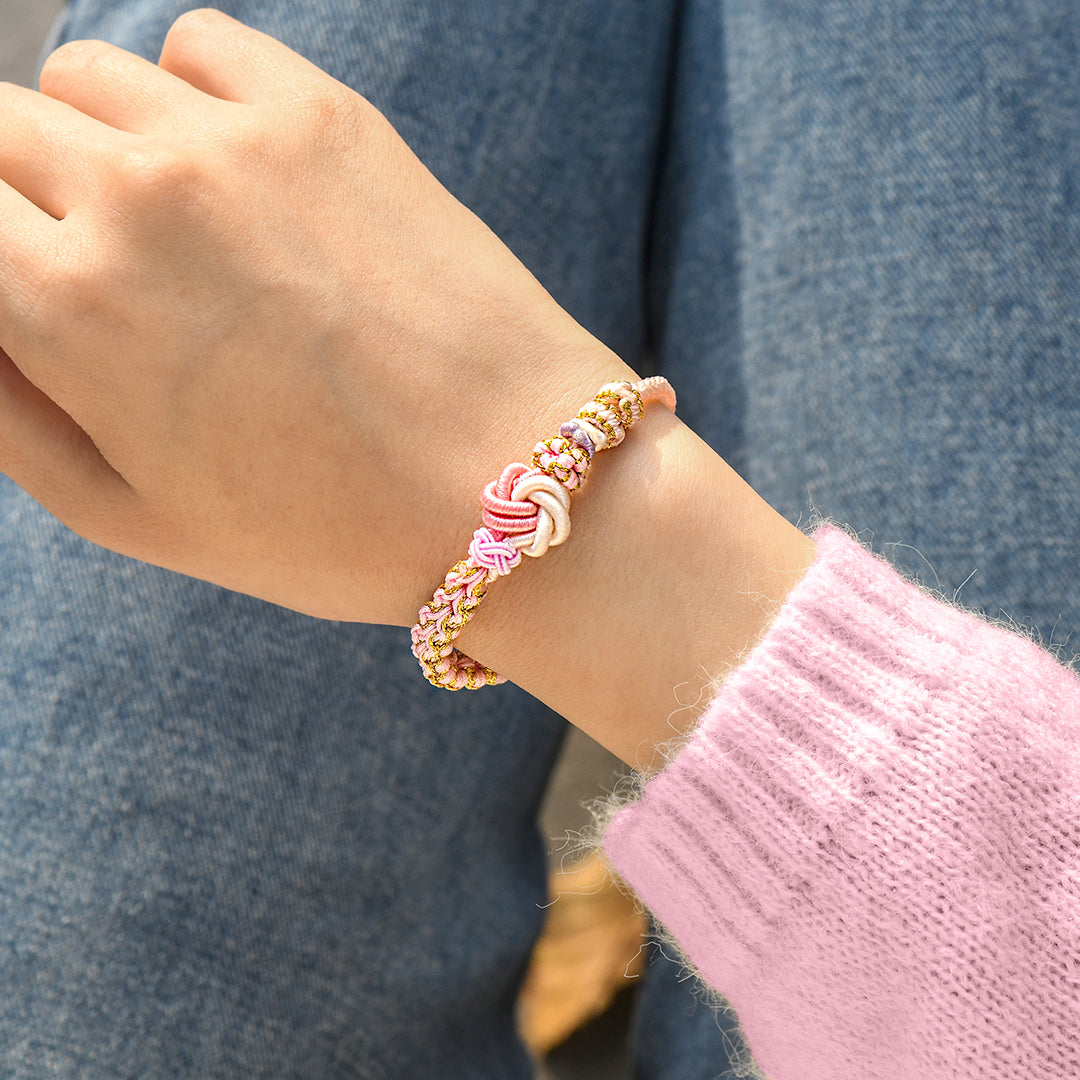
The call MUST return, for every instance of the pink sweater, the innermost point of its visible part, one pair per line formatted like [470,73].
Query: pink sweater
[871,843]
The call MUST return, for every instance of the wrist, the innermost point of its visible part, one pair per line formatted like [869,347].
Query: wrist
[674,569]
[539,382]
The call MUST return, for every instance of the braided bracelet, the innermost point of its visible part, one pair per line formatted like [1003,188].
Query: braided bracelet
[525,511]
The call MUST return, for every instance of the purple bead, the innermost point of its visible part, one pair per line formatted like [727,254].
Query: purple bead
[573,430]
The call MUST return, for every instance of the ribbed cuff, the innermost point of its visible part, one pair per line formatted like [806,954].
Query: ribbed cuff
[871,843]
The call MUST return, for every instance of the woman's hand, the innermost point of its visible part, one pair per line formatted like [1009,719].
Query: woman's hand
[248,336]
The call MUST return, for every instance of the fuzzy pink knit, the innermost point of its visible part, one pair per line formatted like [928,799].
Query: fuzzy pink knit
[871,844]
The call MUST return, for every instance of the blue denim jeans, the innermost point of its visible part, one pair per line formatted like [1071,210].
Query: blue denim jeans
[848,232]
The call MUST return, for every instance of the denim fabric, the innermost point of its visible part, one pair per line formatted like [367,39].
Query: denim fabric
[908,193]
[235,841]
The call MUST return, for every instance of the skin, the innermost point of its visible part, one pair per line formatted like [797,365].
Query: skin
[300,398]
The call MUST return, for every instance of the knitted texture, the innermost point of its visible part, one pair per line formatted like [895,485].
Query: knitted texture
[871,843]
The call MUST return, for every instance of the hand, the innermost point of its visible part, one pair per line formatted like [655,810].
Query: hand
[248,336]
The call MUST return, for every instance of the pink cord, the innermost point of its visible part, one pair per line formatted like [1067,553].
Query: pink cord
[525,511]
[502,513]
[494,552]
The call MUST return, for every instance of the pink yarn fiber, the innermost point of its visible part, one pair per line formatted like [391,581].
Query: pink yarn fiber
[871,843]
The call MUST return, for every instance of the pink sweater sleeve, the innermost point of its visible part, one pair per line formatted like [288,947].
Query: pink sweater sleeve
[871,843]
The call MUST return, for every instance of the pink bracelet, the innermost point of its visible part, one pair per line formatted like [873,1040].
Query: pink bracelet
[525,511]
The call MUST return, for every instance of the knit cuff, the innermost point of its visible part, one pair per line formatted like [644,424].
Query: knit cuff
[871,843]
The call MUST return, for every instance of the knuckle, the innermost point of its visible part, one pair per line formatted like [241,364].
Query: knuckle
[250,140]
[143,177]
[317,122]
[192,25]
[71,62]
[333,117]
[326,106]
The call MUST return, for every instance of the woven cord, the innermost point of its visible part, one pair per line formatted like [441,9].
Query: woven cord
[525,511]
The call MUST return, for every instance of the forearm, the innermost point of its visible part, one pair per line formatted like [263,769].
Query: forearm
[674,568]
